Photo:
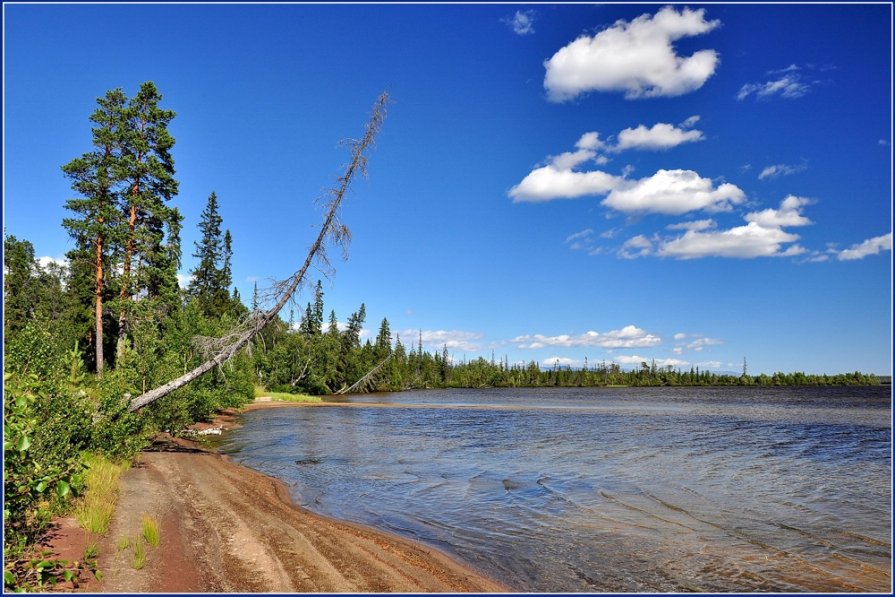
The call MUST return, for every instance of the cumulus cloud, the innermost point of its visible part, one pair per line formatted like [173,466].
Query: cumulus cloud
[637,58]
[436,339]
[744,242]
[789,214]
[778,170]
[871,246]
[673,192]
[522,22]
[548,183]
[660,136]
[629,336]
[762,236]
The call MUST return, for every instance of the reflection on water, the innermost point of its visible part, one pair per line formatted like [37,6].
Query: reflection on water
[608,489]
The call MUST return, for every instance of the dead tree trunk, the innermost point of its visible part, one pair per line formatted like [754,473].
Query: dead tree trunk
[331,230]
[361,384]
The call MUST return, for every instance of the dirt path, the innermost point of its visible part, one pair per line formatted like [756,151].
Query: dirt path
[225,528]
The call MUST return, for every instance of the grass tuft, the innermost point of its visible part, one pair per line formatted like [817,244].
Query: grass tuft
[123,543]
[94,509]
[139,555]
[260,391]
[151,531]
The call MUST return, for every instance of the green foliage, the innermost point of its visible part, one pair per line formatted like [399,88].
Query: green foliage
[42,471]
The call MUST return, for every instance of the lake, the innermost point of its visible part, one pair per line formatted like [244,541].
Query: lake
[606,489]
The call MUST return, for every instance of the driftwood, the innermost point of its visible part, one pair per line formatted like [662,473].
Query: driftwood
[361,384]
[332,230]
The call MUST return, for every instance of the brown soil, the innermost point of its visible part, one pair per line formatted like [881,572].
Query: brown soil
[225,528]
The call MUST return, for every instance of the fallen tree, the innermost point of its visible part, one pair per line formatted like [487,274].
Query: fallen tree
[333,231]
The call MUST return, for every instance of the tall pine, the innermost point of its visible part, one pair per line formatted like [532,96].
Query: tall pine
[95,226]
[150,260]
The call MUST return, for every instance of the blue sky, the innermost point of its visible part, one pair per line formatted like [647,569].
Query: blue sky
[692,184]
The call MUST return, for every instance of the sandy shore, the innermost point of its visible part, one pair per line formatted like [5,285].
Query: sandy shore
[226,528]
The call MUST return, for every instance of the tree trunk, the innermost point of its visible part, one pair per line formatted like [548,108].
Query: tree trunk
[125,279]
[330,229]
[99,304]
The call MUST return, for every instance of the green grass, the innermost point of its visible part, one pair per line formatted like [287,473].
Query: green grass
[150,530]
[139,555]
[95,508]
[123,543]
[285,397]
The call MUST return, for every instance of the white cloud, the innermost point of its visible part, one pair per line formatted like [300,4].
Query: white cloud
[659,136]
[778,170]
[184,280]
[522,23]
[548,183]
[590,140]
[673,192]
[710,364]
[560,361]
[789,86]
[586,233]
[46,261]
[744,242]
[635,57]
[871,246]
[789,214]
[638,360]
[693,225]
[680,336]
[629,336]
[690,122]
[436,339]
[638,246]
[762,236]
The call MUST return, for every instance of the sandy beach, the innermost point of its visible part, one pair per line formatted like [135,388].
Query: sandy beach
[226,528]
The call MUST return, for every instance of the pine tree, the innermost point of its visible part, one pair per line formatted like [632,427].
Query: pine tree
[148,167]
[97,176]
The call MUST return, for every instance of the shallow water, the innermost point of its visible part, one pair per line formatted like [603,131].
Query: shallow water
[621,489]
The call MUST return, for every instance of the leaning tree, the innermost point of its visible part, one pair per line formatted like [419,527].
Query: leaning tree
[332,231]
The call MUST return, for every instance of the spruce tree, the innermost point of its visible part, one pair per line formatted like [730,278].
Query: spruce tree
[207,276]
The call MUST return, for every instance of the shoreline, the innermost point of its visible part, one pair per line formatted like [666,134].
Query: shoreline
[228,528]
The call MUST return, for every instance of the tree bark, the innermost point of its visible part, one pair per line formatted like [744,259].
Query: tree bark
[329,230]
[99,304]
[126,278]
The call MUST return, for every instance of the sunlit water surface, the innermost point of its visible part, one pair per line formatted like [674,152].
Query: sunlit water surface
[620,489]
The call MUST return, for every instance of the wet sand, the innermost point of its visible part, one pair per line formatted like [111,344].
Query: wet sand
[226,528]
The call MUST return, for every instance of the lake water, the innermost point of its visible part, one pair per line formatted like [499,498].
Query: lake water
[606,490]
